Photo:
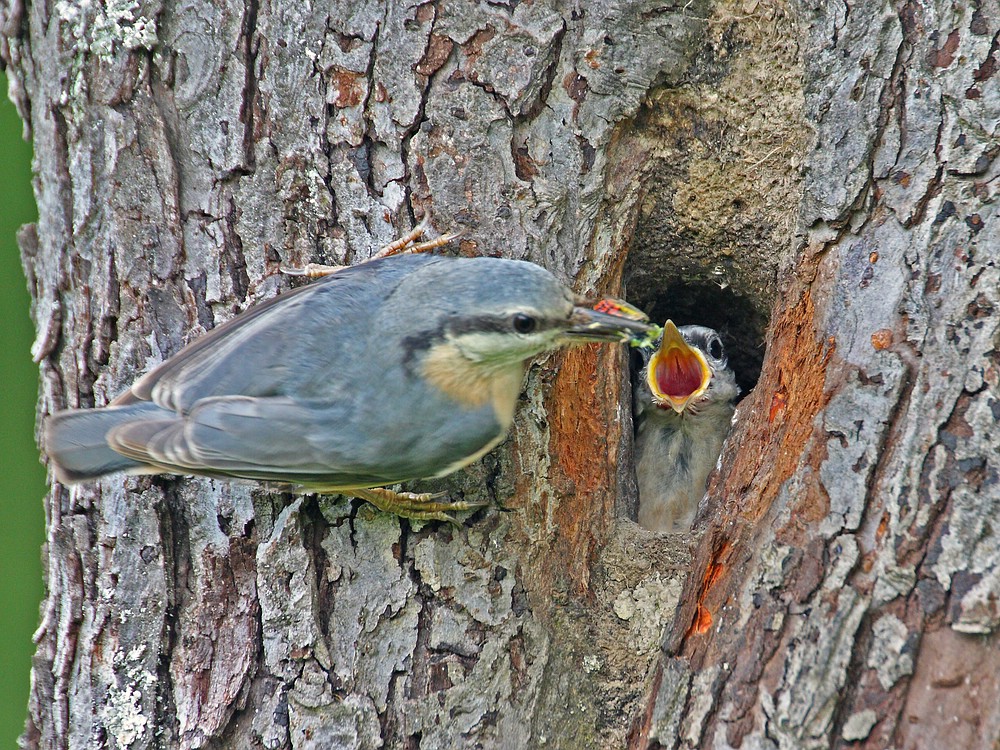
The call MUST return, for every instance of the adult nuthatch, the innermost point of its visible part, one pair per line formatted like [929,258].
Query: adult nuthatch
[397,369]
[683,406]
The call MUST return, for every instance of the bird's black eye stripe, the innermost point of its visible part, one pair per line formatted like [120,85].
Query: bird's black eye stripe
[523,323]
[458,326]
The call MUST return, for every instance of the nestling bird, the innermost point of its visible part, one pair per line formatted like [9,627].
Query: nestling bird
[397,369]
[683,406]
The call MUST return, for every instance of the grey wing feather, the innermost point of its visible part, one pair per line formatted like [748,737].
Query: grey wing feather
[261,351]
[257,438]
[200,354]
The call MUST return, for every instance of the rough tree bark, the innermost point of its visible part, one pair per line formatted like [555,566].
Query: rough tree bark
[830,168]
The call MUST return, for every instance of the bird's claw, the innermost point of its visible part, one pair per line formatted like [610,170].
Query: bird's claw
[419,506]
[311,270]
[406,244]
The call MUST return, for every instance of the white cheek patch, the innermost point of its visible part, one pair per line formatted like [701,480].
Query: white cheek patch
[489,346]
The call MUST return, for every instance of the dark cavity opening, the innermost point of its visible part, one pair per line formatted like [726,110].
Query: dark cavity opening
[740,322]
[668,286]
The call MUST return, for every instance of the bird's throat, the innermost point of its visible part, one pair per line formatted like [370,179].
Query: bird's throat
[474,384]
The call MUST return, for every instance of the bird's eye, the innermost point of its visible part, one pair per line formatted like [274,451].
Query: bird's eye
[715,348]
[524,323]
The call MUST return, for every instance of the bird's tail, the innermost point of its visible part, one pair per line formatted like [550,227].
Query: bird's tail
[76,440]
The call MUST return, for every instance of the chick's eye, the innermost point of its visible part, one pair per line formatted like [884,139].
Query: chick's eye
[715,348]
[524,323]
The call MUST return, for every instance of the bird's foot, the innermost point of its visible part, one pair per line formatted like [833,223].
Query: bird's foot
[311,270]
[408,242]
[404,245]
[420,506]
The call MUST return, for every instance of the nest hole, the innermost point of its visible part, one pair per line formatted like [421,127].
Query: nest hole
[689,291]
[740,320]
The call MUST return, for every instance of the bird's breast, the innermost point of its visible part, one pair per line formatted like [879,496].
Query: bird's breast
[473,385]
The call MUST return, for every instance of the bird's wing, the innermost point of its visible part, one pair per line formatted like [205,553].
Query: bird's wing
[276,439]
[271,348]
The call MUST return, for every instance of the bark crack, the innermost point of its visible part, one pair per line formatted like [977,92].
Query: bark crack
[251,89]
[176,566]
[362,156]
[408,134]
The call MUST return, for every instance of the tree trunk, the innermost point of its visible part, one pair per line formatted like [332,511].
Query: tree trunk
[827,169]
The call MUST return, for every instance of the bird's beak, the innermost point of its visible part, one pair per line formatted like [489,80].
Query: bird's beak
[677,373]
[608,319]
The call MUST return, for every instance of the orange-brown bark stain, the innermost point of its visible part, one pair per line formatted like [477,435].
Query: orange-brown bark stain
[585,432]
[775,427]
[583,450]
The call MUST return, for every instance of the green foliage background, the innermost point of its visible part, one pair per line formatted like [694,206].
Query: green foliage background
[22,479]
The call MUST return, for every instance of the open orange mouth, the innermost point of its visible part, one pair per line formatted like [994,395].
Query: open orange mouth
[677,372]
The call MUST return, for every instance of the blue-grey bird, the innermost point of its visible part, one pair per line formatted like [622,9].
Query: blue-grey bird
[683,406]
[397,369]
